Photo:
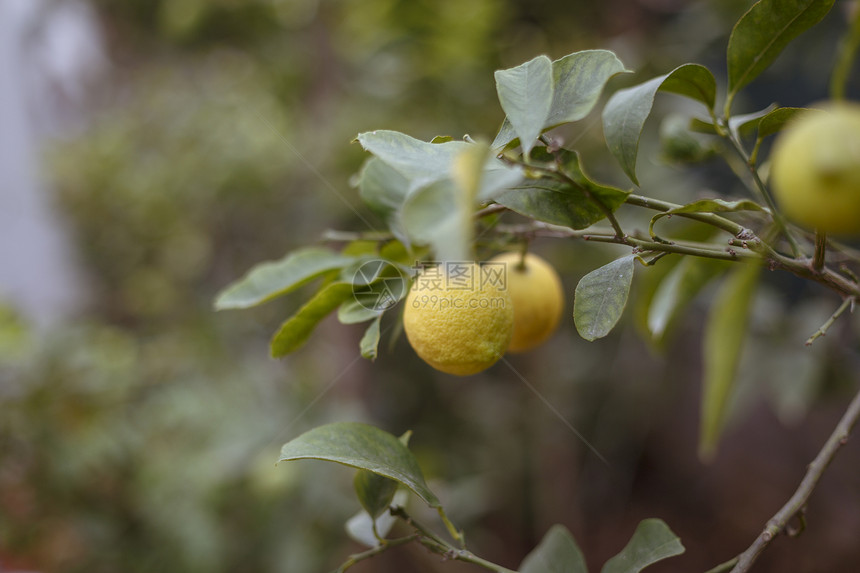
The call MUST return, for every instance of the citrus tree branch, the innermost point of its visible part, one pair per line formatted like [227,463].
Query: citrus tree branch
[436,544]
[795,506]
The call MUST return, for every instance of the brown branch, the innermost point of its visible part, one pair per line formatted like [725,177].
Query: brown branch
[795,506]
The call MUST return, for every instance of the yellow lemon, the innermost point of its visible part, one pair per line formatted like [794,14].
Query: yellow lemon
[815,170]
[537,295]
[458,317]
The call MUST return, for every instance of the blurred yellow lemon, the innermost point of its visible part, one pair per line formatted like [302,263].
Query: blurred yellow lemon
[459,317]
[815,170]
[537,295]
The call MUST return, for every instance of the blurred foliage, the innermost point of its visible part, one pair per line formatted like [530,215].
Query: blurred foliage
[143,438]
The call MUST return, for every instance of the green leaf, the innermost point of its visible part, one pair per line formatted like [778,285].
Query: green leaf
[364,529]
[370,340]
[626,111]
[600,298]
[776,119]
[708,206]
[355,311]
[525,93]
[552,202]
[556,553]
[763,32]
[295,331]
[364,447]
[273,279]
[423,164]
[579,80]
[722,346]
[437,216]
[375,492]
[610,197]
[678,289]
[652,541]
[745,124]
[381,186]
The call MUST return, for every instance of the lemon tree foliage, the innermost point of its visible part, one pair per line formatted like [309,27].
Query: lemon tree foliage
[436,199]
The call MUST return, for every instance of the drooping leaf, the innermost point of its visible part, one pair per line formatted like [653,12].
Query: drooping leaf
[677,290]
[626,111]
[722,346]
[579,80]
[360,527]
[525,93]
[295,331]
[556,553]
[273,279]
[763,32]
[600,298]
[374,492]
[652,541]
[370,341]
[365,447]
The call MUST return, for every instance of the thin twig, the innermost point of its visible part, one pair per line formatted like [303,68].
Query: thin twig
[373,552]
[795,505]
[847,303]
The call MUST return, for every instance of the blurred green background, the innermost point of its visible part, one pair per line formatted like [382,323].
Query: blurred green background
[141,434]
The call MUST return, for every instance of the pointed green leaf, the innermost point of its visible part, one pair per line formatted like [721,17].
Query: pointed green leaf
[763,32]
[525,93]
[652,541]
[364,447]
[579,80]
[626,111]
[370,340]
[295,331]
[273,279]
[722,345]
[678,289]
[600,298]
[776,119]
[556,553]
